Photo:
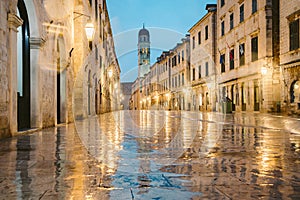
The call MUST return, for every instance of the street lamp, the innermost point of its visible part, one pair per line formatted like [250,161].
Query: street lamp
[264,70]
[89,27]
[110,73]
[89,30]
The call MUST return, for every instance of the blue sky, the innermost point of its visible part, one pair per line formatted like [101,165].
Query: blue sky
[167,21]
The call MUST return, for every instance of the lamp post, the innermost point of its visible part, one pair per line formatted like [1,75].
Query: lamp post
[89,27]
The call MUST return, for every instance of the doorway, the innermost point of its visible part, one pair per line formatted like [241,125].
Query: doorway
[256,96]
[60,82]
[23,69]
[233,99]
[243,98]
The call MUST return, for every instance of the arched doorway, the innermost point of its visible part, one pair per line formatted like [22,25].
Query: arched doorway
[292,92]
[23,69]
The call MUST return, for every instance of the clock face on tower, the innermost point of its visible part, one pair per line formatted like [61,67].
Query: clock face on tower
[58,9]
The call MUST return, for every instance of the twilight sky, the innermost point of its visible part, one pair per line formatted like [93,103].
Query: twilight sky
[167,21]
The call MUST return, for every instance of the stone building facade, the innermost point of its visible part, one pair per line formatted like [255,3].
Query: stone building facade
[179,75]
[248,54]
[125,95]
[164,86]
[290,55]
[49,68]
[203,69]
[244,56]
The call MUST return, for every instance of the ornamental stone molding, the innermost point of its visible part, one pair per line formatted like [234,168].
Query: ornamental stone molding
[14,21]
[36,42]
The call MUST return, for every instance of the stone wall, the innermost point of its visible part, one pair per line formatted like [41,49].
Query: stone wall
[4,72]
[57,45]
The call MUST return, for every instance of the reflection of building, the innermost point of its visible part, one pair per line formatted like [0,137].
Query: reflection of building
[125,95]
[203,50]
[290,54]
[56,65]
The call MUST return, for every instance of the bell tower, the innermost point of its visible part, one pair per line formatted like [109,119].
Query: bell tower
[143,52]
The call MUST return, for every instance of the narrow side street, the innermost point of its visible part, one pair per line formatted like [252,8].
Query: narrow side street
[156,155]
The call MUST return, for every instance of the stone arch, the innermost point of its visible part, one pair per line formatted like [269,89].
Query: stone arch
[32,17]
[23,69]
[36,42]
[294,90]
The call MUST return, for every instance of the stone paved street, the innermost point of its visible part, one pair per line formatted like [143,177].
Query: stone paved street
[156,155]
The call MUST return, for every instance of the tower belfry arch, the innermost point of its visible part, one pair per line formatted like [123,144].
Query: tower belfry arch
[143,52]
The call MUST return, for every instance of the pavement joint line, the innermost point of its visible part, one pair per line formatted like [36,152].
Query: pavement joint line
[43,194]
[223,193]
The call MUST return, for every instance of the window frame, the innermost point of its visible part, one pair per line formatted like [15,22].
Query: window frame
[254,6]
[223,69]
[222,3]
[242,13]
[231,61]
[242,56]
[193,42]
[199,72]
[223,28]
[206,32]
[193,74]
[231,21]
[254,49]
[294,35]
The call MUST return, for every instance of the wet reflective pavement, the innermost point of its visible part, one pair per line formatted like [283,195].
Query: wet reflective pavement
[156,155]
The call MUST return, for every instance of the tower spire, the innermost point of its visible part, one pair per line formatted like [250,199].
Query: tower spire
[143,25]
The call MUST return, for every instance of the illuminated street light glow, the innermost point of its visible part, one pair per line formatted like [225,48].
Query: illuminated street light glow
[110,73]
[264,70]
[89,30]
